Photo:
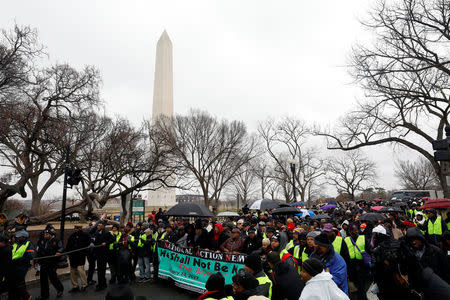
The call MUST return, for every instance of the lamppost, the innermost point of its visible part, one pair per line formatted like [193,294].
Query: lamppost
[292,163]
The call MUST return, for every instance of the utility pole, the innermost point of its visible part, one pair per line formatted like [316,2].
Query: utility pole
[63,207]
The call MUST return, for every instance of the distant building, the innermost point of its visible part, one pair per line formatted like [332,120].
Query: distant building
[190,198]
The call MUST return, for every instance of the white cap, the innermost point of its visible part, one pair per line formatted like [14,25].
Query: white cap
[379,229]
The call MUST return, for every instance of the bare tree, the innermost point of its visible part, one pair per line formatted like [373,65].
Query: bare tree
[213,151]
[33,103]
[285,141]
[351,172]
[262,168]
[243,185]
[417,175]
[405,75]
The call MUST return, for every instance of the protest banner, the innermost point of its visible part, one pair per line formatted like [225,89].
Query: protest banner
[190,268]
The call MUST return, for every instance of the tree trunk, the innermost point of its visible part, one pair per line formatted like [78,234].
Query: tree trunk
[35,197]
[123,214]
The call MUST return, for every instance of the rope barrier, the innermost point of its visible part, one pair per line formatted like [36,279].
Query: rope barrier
[68,252]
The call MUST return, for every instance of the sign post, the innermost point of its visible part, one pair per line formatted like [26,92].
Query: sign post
[138,208]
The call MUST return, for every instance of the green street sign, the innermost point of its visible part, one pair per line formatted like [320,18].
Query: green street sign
[138,207]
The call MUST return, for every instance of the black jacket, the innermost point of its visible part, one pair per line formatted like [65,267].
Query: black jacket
[433,257]
[78,240]
[251,245]
[49,248]
[100,237]
[202,241]
[286,282]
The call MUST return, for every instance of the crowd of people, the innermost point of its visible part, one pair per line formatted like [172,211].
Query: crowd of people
[402,256]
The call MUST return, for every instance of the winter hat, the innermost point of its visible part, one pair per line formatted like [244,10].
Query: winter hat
[328,227]
[363,226]
[119,292]
[215,282]
[312,266]
[246,280]
[270,229]
[298,231]
[322,240]
[379,229]
[274,257]
[254,263]
[145,224]
[276,236]
[313,234]
[291,226]
[116,226]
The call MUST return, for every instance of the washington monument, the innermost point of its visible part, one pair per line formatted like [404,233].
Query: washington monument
[163,106]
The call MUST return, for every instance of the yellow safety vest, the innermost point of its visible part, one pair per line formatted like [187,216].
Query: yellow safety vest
[352,251]
[448,225]
[436,227]
[142,237]
[305,256]
[297,252]
[118,235]
[19,252]
[289,245]
[337,244]
[155,237]
[282,253]
[264,235]
[264,280]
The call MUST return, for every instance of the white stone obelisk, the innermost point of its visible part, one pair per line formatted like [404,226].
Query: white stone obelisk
[163,106]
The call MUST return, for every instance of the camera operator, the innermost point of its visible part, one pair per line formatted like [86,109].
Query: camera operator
[399,274]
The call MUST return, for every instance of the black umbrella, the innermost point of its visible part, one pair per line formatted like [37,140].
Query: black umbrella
[390,209]
[284,205]
[399,204]
[372,217]
[321,216]
[286,211]
[189,210]
[264,204]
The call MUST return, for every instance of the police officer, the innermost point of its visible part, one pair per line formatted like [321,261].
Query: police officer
[102,239]
[49,246]
[22,256]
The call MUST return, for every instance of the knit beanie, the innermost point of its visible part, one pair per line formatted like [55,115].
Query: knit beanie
[254,263]
[215,282]
[313,234]
[322,240]
[312,266]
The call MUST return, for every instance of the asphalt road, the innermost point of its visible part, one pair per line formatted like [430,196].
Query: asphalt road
[161,290]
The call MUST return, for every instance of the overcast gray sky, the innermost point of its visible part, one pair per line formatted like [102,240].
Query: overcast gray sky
[245,60]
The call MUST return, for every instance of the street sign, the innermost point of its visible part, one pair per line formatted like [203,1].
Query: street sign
[138,207]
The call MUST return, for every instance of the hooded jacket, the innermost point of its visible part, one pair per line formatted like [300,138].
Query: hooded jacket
[322,287]
[217,239]
[286,282]
[432,257]
[336,266]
